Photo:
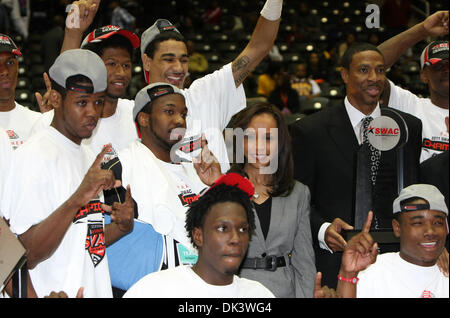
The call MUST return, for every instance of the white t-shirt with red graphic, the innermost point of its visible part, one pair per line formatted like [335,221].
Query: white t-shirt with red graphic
[393,277]
[44,173]
[19,123]
[434,130]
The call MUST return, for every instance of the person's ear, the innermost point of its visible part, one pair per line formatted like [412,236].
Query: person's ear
[143,119]
[146,61]
[197,236]
[344,74]
[396,228]
[424,76]
[55,99]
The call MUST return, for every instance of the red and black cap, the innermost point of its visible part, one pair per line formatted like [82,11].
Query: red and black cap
[8,45]
[433,53]
[105,32]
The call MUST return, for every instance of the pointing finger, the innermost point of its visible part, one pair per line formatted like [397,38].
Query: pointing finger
[366,227]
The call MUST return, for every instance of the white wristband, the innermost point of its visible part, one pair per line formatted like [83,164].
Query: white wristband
[272,10]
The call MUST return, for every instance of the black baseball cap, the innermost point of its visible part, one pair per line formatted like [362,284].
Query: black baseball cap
[152,92]
[433,53]
[8,45]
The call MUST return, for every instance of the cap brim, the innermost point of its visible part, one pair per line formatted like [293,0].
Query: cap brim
[133,38]
[12,51]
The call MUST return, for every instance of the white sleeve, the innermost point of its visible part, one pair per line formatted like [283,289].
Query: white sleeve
[27,204]
[214,98]
[321,237]
[402,99]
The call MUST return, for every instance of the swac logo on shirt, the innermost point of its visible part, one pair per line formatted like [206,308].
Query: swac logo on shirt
[95,242]
[12,134]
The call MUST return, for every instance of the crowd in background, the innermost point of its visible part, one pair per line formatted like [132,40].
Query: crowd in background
[312,37]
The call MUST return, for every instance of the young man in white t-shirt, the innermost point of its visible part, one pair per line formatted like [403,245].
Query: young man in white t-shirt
[219,224]
[162,188]
[16,119]
[420,222]
[116,126]
[432,110]
[55,187]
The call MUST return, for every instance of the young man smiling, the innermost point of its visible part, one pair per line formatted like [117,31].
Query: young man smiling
[162,189]
[115,47]
[420,221]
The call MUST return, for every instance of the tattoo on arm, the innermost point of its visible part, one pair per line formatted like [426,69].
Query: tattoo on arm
[240,69]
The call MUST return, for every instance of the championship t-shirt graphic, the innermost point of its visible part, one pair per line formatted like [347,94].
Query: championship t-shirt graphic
[95,242]
[16,141]
[92,215]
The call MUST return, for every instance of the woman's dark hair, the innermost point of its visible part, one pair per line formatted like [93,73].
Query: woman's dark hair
[346,59]
[196,215]
[283,179]
[115,41]
[164,36]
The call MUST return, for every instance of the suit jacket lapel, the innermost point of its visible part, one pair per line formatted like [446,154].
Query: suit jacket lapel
[277,209]
[342,134]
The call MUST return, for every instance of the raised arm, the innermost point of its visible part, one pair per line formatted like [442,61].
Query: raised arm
[43,239]
[360,252]
[79,17]
[261,41]
[435,25]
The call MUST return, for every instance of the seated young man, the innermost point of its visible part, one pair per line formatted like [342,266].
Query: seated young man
[420,221]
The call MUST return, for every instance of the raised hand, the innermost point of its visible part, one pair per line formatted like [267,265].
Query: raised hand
[96,180]
[44,101]
[361,250]
[325,291]
[81,14]
[122,213]
[333,237]
[437,24]
[206,164]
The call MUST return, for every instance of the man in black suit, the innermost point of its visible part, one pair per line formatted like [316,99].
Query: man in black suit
[326,144]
